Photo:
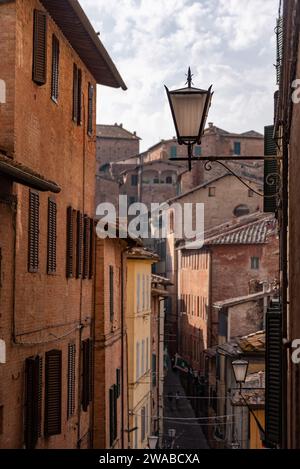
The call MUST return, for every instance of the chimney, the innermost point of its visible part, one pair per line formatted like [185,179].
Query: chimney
[210,125]
[121,125]
[134,133]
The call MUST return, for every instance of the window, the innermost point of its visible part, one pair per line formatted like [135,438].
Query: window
[71,380]
[173,152]
[250,193]
[118,381]
[39,66]
[198,151]
[53,392]
[33,400]
[153,369]
[87,375]
[138,292]
[77,94]
[143,292]
[143,423]
[33,231]
[1,419]
[147,354]
[132,199]
[241,210]
[86,245]
[136,432]
[211,192]
[113,414]
[169,180]
[55,69]
[254,263]
[90,118]
[111,293]
[79,245]
[143,358]
[137,352]
[51,257]
[237,148]
[156,180]
[71,238]
[134,179]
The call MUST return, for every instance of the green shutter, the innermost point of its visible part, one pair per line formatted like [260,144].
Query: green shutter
[273,416]
[270,172]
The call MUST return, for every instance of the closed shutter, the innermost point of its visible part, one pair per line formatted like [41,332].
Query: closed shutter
[273,374]
[92,247]
[87,373]
[86,246]
[115,411]
[90,109]
[79,91]
[270,172]
[55,68]
[111,416]
[71,380]
[118,380]
[39,68]
[143,423]
[34,231]
[111,293]
[51,258]
[153,369]
[279,51]
[79,245]
[33,395]
[75,93]
[53,392]
[70,243]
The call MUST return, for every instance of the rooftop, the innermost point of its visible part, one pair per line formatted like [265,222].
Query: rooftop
[142,253]
[76,27]
[242,299]
[115,131]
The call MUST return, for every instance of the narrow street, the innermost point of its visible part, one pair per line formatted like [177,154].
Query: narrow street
[189,434]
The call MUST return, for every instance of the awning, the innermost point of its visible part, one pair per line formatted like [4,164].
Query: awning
[23,175]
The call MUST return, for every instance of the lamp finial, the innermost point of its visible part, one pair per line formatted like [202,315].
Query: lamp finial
[189,78]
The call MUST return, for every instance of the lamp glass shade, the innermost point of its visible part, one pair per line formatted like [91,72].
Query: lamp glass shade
[152,441]
[240,368]
[188,110]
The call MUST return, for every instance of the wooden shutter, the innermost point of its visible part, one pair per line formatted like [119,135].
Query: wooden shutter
[279,48]
[86,246]
[79,99]
[92,248]
[33,396]
[273,374]
[71,379]
[113,414]
[33,231]
[118,380]
[39,68]
[51,257]
[90,109]
[53,392]
[87,373]
[270,172]
[75,93]
[70,243]
[111,293]
[55,68]
[79,245]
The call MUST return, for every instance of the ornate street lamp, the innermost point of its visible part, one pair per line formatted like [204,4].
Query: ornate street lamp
[152,441]
[189,107]
[240,368]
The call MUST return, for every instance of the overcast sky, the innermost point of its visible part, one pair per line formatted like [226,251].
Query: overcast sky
[227,43]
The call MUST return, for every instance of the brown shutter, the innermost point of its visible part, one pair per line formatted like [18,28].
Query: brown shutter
[51,258]
[113,415]
[70,243]
[39,68]
[86,246]
[111,293]
[33,394]
[92,247]
[87,373]
[33,231]
[118,380]
[79,245]
[79,112]
[90,109]
[53,393]
[55,68]
[71,380]
[75,93]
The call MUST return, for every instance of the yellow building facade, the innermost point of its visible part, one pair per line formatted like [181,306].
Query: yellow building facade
[138,326]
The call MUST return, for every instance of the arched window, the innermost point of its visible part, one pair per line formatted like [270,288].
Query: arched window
[241,210]
[169,180]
